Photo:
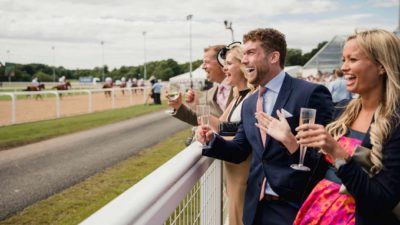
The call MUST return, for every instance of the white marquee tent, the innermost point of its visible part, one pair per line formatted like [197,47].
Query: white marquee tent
[198,76]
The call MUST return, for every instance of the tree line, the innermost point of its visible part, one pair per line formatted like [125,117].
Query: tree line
[163,69]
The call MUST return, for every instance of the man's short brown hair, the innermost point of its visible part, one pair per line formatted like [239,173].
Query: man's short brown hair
[271,40]
[215,48]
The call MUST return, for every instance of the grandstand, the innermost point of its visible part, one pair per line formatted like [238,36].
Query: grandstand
[328,57]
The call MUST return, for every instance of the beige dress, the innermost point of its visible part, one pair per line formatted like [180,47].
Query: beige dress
[235,174]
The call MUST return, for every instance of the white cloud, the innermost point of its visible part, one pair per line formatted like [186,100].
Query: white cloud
[384,3]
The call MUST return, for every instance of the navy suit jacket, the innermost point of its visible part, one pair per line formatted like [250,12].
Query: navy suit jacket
[274,160]
[377,196]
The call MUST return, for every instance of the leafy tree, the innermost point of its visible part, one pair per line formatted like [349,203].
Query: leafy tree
[293,57]
[185,67]
[44,77]
[166,69]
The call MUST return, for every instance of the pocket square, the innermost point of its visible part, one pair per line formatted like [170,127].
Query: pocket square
[286,113]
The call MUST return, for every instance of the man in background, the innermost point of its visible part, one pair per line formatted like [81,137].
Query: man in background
[218,97]
[338,88]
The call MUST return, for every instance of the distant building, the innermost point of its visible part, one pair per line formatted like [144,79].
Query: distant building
[88,79]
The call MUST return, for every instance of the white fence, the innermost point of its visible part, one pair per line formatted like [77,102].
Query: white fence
[9,116]
[185,190]
[17,86]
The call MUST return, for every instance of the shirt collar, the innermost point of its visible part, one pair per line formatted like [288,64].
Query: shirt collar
[275,84]
[225,85]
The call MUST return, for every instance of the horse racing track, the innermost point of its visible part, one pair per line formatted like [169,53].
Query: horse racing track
[31,109]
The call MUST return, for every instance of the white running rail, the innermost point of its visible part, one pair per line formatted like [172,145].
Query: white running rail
[185,190]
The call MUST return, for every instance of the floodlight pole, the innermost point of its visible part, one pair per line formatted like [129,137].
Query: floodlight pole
[144,50]
[54,63]
[8,57]
[189,18]
[102,58]
[228,25]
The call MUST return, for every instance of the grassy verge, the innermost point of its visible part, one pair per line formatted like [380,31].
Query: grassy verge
[21,134]
[80,201]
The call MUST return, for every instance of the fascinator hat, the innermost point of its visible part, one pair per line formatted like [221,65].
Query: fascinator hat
[221,56]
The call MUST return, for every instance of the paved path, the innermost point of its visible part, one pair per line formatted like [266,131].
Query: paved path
[37,171]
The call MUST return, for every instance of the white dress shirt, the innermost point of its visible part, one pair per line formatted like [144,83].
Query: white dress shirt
[269,99]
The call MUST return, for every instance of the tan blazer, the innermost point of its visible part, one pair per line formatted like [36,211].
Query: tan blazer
[186,114]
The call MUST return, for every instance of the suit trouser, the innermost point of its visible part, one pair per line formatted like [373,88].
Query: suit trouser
[157,98]
[275,213]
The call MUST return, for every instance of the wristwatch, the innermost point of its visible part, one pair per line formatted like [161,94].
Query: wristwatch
[341,162]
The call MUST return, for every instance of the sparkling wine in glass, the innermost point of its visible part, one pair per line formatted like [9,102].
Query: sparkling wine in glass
[307,116]
[173,94]
[203,116]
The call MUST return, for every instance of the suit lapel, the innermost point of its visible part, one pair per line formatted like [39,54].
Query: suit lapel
[282,98]
[212,102]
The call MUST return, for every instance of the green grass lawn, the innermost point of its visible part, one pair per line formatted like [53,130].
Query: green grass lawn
[21,134]
[80,201]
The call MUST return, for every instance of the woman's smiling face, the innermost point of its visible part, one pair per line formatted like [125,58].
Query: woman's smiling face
[361,73]
[233,73]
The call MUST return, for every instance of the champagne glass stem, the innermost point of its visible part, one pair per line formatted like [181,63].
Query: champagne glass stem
[303,151]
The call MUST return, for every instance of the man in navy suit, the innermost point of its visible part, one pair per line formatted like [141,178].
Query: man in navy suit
[275,191]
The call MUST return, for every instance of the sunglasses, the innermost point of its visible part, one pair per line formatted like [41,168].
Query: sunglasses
[221,56]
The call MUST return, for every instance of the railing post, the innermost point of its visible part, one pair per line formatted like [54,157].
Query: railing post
[57,103]
[113,98]
[144,94]
[13,109]
[211,206]
[130,96]
[90,109]
[219,192]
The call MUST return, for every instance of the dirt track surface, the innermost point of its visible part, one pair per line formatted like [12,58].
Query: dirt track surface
[37,171]
[32,109]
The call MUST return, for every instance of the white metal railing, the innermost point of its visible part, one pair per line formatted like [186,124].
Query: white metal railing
[19,85]
[57,113]
[185,190]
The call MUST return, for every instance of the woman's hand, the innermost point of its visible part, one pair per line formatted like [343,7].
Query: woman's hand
[277,129]
[315,136]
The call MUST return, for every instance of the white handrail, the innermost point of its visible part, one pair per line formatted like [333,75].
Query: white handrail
[57,93]
[155,197]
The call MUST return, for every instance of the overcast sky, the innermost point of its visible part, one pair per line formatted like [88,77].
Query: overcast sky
[30,28]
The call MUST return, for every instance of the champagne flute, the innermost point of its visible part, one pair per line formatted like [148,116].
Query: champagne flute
[203,117]
[173,94]
[307,116]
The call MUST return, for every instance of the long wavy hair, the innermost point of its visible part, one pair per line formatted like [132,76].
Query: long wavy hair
[383,48]
[237,53]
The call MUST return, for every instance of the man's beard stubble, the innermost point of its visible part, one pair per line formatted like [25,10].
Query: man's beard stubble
[259,76]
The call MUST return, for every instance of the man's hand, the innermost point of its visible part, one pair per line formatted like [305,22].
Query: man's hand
[278,129]
[190,96]
[204,134]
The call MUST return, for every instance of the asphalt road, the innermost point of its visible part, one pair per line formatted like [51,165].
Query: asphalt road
[37,171]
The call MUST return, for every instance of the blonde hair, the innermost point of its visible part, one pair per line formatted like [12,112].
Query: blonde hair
[383,48]
[237,53]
